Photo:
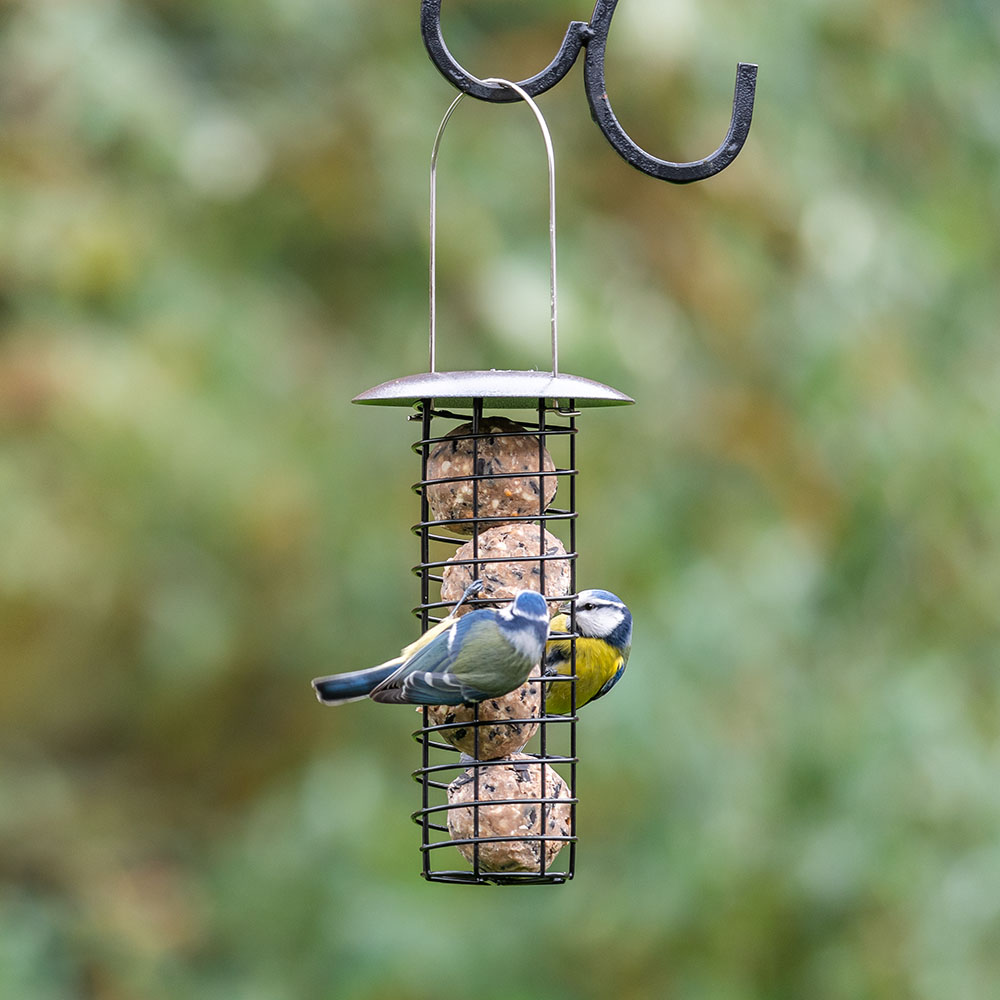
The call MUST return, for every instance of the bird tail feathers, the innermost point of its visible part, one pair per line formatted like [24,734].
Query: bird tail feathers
[338,689]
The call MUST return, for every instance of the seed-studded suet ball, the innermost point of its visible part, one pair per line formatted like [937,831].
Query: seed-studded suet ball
[514,545]
[501,731]
[519,778]
[505,447]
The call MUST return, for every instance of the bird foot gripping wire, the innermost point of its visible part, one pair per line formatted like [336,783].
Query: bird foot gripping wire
[593,37]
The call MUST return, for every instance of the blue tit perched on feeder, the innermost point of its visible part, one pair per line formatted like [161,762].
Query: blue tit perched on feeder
[483,655]
[604,629]
[338,689]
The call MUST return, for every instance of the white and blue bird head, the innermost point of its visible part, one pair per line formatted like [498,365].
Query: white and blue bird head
[520,623]
[602,615]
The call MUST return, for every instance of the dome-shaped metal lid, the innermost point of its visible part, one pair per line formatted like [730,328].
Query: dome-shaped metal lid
[504,390]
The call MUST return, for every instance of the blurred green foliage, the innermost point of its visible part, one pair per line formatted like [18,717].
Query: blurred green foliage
[214,234]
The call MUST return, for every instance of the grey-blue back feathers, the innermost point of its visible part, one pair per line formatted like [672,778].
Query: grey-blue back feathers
[484,654]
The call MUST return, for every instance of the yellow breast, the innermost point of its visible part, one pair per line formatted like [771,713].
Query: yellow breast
[596,664]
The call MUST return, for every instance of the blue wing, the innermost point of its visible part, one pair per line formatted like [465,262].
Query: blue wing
[423,688]
[427,677]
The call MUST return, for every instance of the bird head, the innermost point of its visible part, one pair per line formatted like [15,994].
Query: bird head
[602,615]
[531,606]
[525,622]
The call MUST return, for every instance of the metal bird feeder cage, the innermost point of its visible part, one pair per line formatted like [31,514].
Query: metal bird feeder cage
[498,504]
[553,404]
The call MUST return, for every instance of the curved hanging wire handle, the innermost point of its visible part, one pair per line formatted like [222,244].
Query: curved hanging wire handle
[594,36]
[519,92]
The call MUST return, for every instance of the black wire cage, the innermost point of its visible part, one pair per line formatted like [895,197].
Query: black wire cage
[498,779]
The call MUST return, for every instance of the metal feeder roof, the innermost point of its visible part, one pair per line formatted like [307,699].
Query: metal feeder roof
[504,389]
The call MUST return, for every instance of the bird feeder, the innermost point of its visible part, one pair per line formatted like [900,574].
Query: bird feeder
[497,496]
[498,778]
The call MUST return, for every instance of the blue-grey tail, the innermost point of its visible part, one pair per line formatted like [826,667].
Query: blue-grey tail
[338,689]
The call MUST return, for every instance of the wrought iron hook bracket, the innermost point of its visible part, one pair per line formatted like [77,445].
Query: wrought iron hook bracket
[593,37]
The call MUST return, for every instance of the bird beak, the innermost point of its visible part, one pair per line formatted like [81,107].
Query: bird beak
[565,608]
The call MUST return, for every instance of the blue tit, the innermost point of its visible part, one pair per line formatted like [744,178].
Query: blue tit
[483,655]
[338,689]
[604,630]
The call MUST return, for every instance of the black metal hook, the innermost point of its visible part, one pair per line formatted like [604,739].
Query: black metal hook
[594,36]
[600,108]
[577,35]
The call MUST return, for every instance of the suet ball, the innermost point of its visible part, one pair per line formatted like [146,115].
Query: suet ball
[502,730]
[519,546]
[520,777]
[512,450]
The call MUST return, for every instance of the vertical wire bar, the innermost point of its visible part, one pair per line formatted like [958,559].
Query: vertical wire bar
[572,642]
[543,735]
[477,419]
[427,406]
[425,512]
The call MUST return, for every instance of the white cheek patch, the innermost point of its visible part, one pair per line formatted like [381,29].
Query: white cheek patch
[600,621]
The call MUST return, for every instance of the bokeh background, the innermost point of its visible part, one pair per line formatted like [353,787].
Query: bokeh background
[214,235]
